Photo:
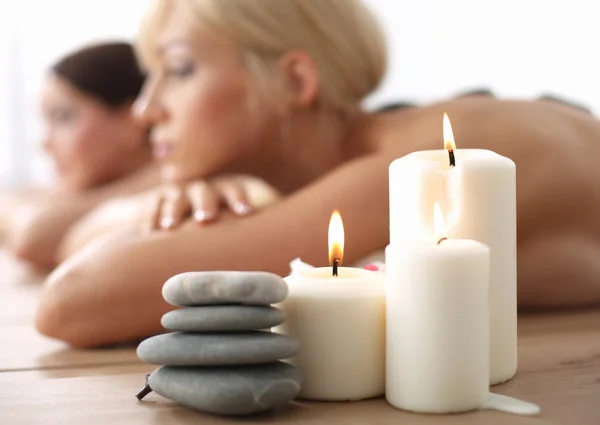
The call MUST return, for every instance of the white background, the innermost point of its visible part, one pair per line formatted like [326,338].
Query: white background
[519,48]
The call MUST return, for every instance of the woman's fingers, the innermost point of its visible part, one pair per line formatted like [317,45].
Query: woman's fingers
[155,212]
[175,207]
[233,193]
[204,200]
[200,199]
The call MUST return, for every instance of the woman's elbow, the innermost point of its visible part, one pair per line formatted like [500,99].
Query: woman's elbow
[33,251]
[34,239]
[59,317]
[90,300]
[50,322]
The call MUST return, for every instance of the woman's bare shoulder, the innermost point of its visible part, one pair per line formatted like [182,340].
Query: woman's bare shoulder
[509,127]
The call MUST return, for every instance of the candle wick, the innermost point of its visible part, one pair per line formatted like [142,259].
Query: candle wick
[336,262]
[452,159]
[442,240]
[144,391]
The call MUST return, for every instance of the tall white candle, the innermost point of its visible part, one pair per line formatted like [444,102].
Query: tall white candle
[437,326]
[340,323]
[479,193]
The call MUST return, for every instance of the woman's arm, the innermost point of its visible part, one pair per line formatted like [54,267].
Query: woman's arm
[114,217]
[39,223]
[134,214]
[111,291]
[37,227]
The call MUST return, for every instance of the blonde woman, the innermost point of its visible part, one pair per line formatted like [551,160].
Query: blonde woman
[273,88]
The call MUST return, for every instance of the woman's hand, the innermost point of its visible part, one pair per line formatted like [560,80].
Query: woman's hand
[203,200]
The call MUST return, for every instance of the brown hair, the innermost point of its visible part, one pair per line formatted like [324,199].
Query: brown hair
[108,72]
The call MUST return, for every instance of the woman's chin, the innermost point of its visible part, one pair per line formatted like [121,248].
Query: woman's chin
[173,173]
[72,184]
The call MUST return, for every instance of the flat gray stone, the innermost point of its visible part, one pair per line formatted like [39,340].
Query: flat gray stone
[223,318]
[226,287]
[236,390]
[216,349]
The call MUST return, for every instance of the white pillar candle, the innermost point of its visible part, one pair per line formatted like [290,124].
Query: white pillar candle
[479,194]
[340,323]
[437,326]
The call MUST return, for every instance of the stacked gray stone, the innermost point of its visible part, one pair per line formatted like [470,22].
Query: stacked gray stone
[220,356]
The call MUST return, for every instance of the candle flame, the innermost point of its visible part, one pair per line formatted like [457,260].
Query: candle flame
[336,237]
[448,134]
[439,223]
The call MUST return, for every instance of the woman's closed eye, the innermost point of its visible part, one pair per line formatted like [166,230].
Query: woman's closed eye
[62,115]
[181,71]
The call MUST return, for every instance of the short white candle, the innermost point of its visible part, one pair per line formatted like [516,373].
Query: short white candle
[340,323]
[479,194]
[437,326]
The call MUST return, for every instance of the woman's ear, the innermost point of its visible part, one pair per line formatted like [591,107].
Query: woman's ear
[301,77]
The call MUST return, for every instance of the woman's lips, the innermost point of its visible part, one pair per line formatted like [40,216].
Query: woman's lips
[162,150]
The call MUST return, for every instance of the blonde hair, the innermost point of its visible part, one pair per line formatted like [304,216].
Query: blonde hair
[342,37]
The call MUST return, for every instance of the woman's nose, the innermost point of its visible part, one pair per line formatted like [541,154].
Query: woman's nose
[146,108]
[47,144]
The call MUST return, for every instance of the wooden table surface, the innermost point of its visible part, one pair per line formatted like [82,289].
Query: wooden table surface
[45,382]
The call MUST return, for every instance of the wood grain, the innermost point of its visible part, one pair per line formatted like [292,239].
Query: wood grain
[18,305]
[20,287]
[23,348]
[43,381]
[559,369]
[141,369]
[110,399]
